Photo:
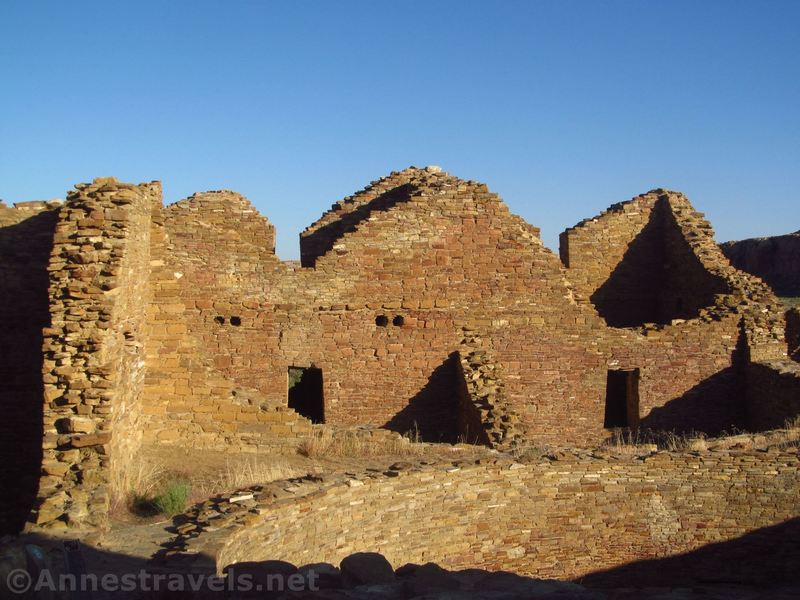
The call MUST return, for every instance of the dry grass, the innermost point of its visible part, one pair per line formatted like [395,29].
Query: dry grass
[326,443]
[146,478]
[790,434]
[245,471]
[137,478]
[634,441]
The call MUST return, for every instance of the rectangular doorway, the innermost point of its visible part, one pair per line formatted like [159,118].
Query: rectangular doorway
[305,393]
[622,399]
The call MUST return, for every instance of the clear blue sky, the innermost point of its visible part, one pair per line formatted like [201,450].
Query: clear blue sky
[562,107]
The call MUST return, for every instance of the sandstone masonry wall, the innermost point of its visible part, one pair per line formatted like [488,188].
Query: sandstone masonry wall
[793,333]
[205,362]
[563,519]
[93,368]
[486,415]
[26,236]
[400,270]
[773,390]
[424,303]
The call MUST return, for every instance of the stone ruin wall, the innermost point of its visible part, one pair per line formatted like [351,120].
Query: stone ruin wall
[773,390]
[26,237]
[637,262]
[207,250]
[696,334]
[793,333]
[93,367]
[446,256]
[188,323]
[567,518]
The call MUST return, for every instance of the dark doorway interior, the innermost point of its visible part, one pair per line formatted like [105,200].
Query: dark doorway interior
[305,393]
[622,399]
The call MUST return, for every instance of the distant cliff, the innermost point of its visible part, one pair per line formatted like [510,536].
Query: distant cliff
[776,260]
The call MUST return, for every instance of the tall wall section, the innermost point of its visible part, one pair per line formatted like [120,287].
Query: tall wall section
[773,394]
[26,236]
[93,368]
[679,312]
[637,264]
[448,257]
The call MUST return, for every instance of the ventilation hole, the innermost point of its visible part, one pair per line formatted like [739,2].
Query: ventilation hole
[219,320]
[398,321]
[236,321]
[381,320]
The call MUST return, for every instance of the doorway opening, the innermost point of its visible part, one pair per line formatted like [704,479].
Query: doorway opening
[305,393]
[622,399]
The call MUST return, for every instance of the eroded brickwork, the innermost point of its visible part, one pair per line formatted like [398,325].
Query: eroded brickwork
[793,333]
[210,351]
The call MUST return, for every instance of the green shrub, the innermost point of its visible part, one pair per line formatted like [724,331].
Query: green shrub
[173,499]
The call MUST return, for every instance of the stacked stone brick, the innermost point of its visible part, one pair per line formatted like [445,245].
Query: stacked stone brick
[177,325]
[774,393]
[26,237]
[793,333]
[486,415]
[212,255]
[562,518]
[93,368]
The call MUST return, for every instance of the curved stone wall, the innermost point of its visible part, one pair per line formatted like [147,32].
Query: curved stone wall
[563,518]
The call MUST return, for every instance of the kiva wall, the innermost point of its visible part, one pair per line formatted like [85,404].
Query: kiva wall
[562,519]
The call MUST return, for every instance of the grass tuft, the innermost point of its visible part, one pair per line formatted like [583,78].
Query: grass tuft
[133,480]
[633,441]
[358,443]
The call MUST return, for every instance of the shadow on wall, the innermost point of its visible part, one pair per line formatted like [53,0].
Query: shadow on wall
[24,311]
[658,279]
[319,242]
[762,558]
[432,414]
[714,405]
